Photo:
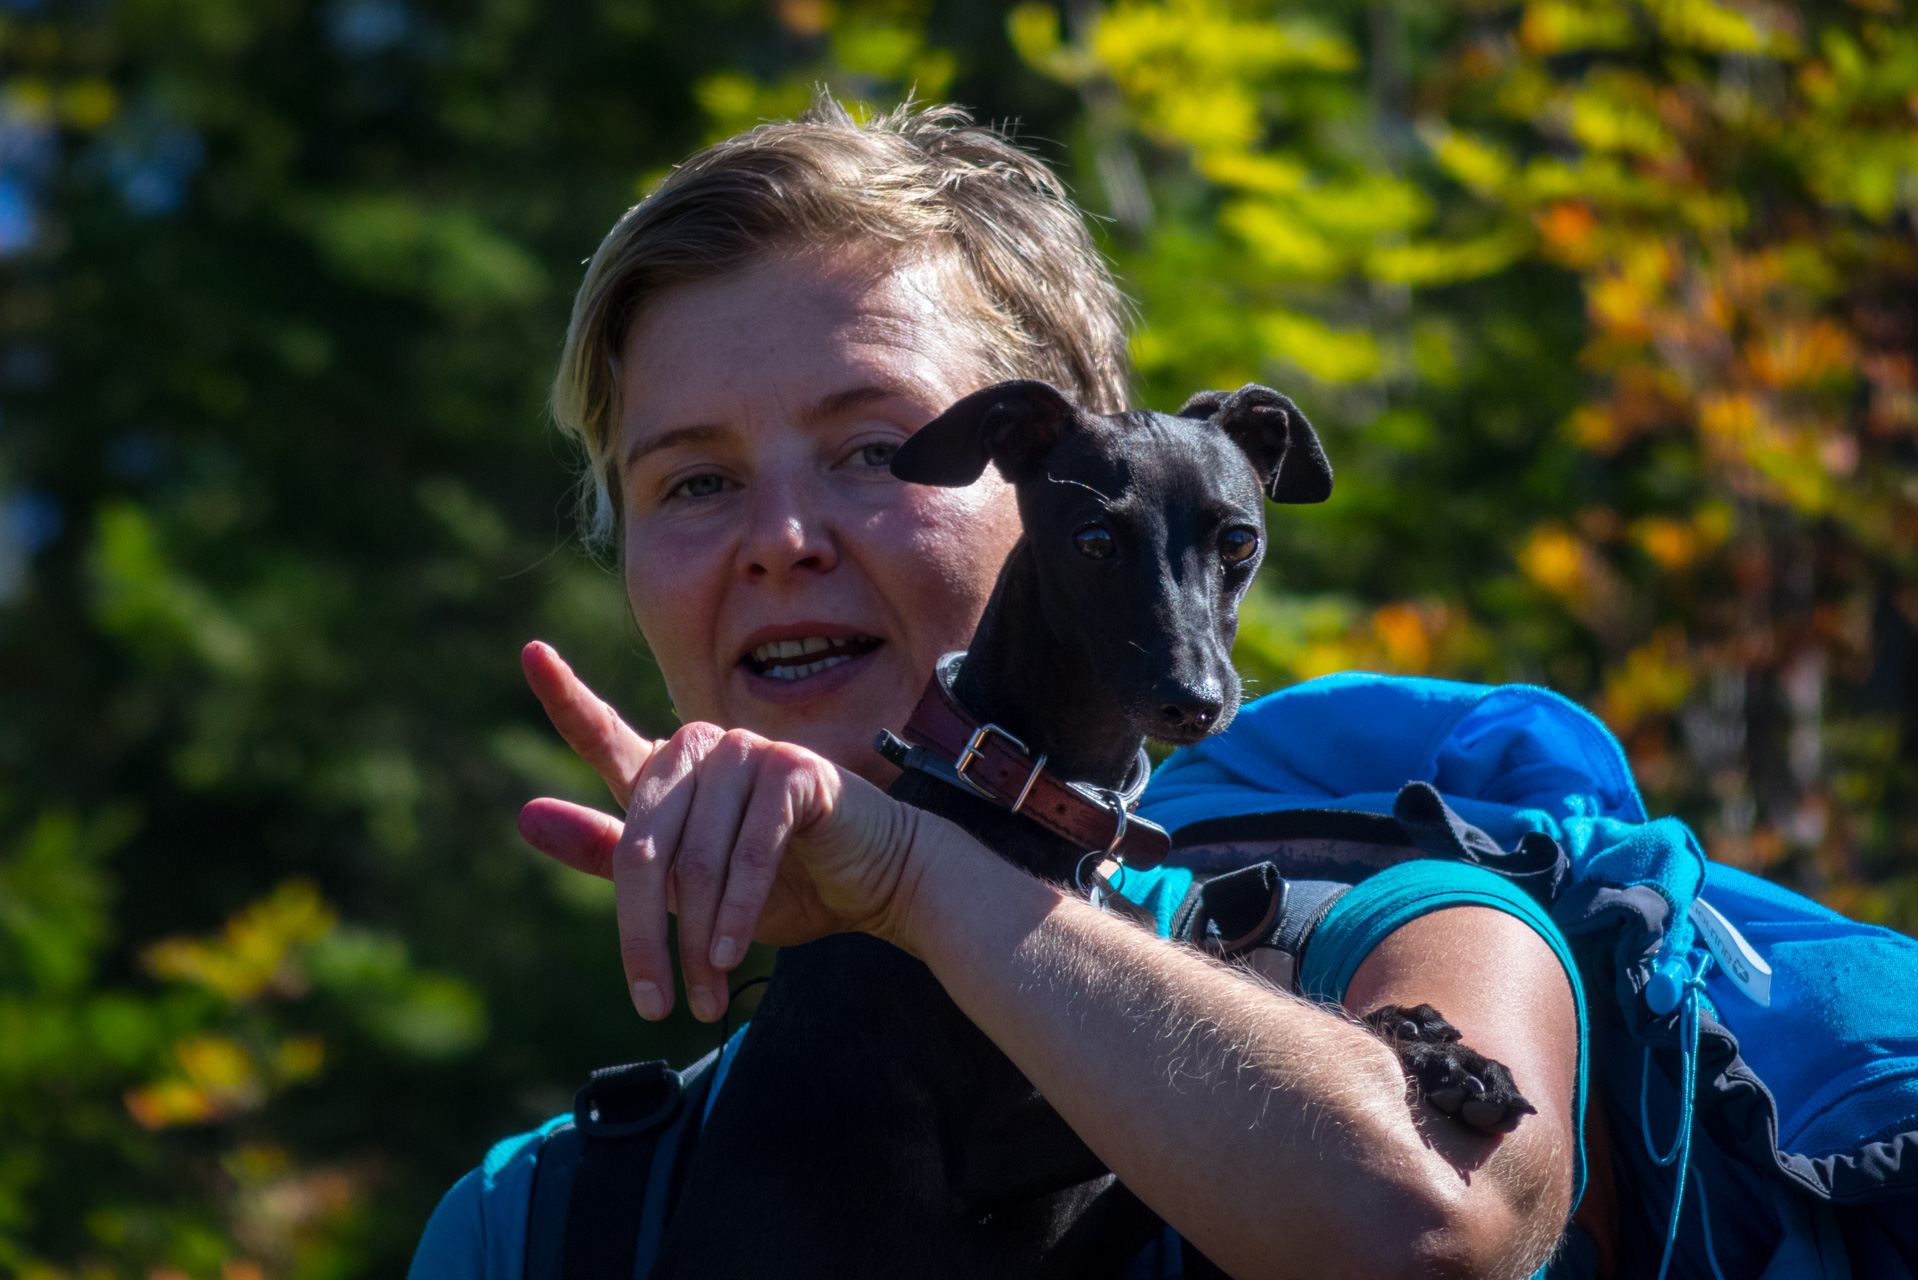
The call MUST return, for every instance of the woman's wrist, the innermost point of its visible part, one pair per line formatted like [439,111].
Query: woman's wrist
[955,895]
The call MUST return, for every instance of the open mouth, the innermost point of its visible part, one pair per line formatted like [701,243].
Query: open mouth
[798,659]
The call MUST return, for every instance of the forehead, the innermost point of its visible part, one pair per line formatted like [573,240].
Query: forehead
[1154,459]
[795,328]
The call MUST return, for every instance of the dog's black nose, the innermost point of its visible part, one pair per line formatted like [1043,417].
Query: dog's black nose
[1191,713]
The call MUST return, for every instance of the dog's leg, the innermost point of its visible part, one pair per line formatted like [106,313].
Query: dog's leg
[1448,1073]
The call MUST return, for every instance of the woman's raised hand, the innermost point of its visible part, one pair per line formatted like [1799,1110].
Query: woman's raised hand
[591,728]
[741,837]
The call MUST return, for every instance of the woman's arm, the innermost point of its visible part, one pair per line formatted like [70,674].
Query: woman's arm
[1274,1134]
[1271,1132]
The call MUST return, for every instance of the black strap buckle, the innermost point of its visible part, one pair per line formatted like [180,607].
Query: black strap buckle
[629,1101]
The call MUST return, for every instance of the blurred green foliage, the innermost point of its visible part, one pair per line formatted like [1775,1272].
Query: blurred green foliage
[281,289]
[1605,309]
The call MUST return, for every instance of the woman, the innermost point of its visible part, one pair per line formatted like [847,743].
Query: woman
[749,347]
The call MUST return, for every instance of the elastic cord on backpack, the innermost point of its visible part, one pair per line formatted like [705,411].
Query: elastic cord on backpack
[1705,1217]
[1681,1152]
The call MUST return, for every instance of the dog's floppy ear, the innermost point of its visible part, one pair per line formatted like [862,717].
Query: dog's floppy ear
[1275,437]
[1013,424]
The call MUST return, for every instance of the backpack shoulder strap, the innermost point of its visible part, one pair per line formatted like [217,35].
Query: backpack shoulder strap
[552,1189]
[628,1145]
[1258,917]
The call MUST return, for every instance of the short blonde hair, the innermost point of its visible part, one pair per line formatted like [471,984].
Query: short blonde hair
[909,181]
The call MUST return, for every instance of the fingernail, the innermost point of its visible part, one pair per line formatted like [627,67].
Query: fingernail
[648,1001]
[706,1003]
[725,951]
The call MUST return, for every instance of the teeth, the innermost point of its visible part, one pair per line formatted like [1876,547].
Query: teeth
[804,669]
[775,649]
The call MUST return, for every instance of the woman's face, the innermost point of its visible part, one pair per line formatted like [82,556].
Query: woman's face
[784,580]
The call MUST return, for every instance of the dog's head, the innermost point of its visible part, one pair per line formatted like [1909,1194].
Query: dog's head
[1145,529]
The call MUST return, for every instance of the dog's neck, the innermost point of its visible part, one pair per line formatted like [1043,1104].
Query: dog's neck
[1019,676]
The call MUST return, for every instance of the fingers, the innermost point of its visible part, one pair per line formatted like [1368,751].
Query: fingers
[778,797]
[581,838]
[643,860]
[591,728]
[708,859]
[703,839]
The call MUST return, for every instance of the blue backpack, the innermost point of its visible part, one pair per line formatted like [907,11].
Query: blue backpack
[1747,1047]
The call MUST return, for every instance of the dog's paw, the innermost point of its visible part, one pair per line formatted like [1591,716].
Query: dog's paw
[1451,1075]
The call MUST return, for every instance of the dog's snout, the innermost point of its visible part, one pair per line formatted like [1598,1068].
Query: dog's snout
[1189,711]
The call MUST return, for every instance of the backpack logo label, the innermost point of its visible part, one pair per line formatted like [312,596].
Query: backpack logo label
[1737,957]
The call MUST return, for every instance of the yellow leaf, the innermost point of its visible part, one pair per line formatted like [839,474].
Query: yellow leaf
[1478,163]
[215,1063]
[1034,32]
[1283,242]
[169,1103]
[1263,174]
[1553,26]
[1672,543]
[250,953]
[1436,262]
[1714,28]
[220,1079]
[1656,679]
[1555,559]
[1733,418]
[1605,118]
[1328,354]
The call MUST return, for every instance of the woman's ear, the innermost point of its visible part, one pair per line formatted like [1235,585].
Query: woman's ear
[1013,425]
[1274,436]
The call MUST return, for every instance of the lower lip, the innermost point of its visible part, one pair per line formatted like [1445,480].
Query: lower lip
[818,685]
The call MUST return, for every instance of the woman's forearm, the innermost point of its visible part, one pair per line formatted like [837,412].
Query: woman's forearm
[1272,1133]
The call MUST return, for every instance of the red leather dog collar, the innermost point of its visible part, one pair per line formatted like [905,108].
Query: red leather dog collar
[988,761]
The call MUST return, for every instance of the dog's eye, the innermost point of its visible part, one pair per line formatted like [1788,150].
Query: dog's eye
[1095,542]
[1238,545]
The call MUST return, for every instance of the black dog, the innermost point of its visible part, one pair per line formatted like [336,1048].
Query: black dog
[867,1128]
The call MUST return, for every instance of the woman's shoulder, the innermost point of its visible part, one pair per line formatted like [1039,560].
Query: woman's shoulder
[478,1232]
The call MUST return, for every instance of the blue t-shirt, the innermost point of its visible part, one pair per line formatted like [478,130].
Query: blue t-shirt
[479,1230]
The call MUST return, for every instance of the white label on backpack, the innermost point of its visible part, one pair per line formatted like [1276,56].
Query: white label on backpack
[1737,957]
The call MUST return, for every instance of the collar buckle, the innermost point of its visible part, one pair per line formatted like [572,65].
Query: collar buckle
[943,740]
[975,749]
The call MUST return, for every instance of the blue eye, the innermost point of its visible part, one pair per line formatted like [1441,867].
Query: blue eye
[700,486]
[878,455]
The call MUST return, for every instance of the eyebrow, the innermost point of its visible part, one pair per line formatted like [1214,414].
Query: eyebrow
[845,401]
[832,406]
[672,439]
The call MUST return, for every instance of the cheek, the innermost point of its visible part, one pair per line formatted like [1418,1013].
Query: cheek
[668,586]
[960,538]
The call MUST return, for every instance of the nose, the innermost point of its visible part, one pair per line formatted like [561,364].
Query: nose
[787,533]
[1184,710]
